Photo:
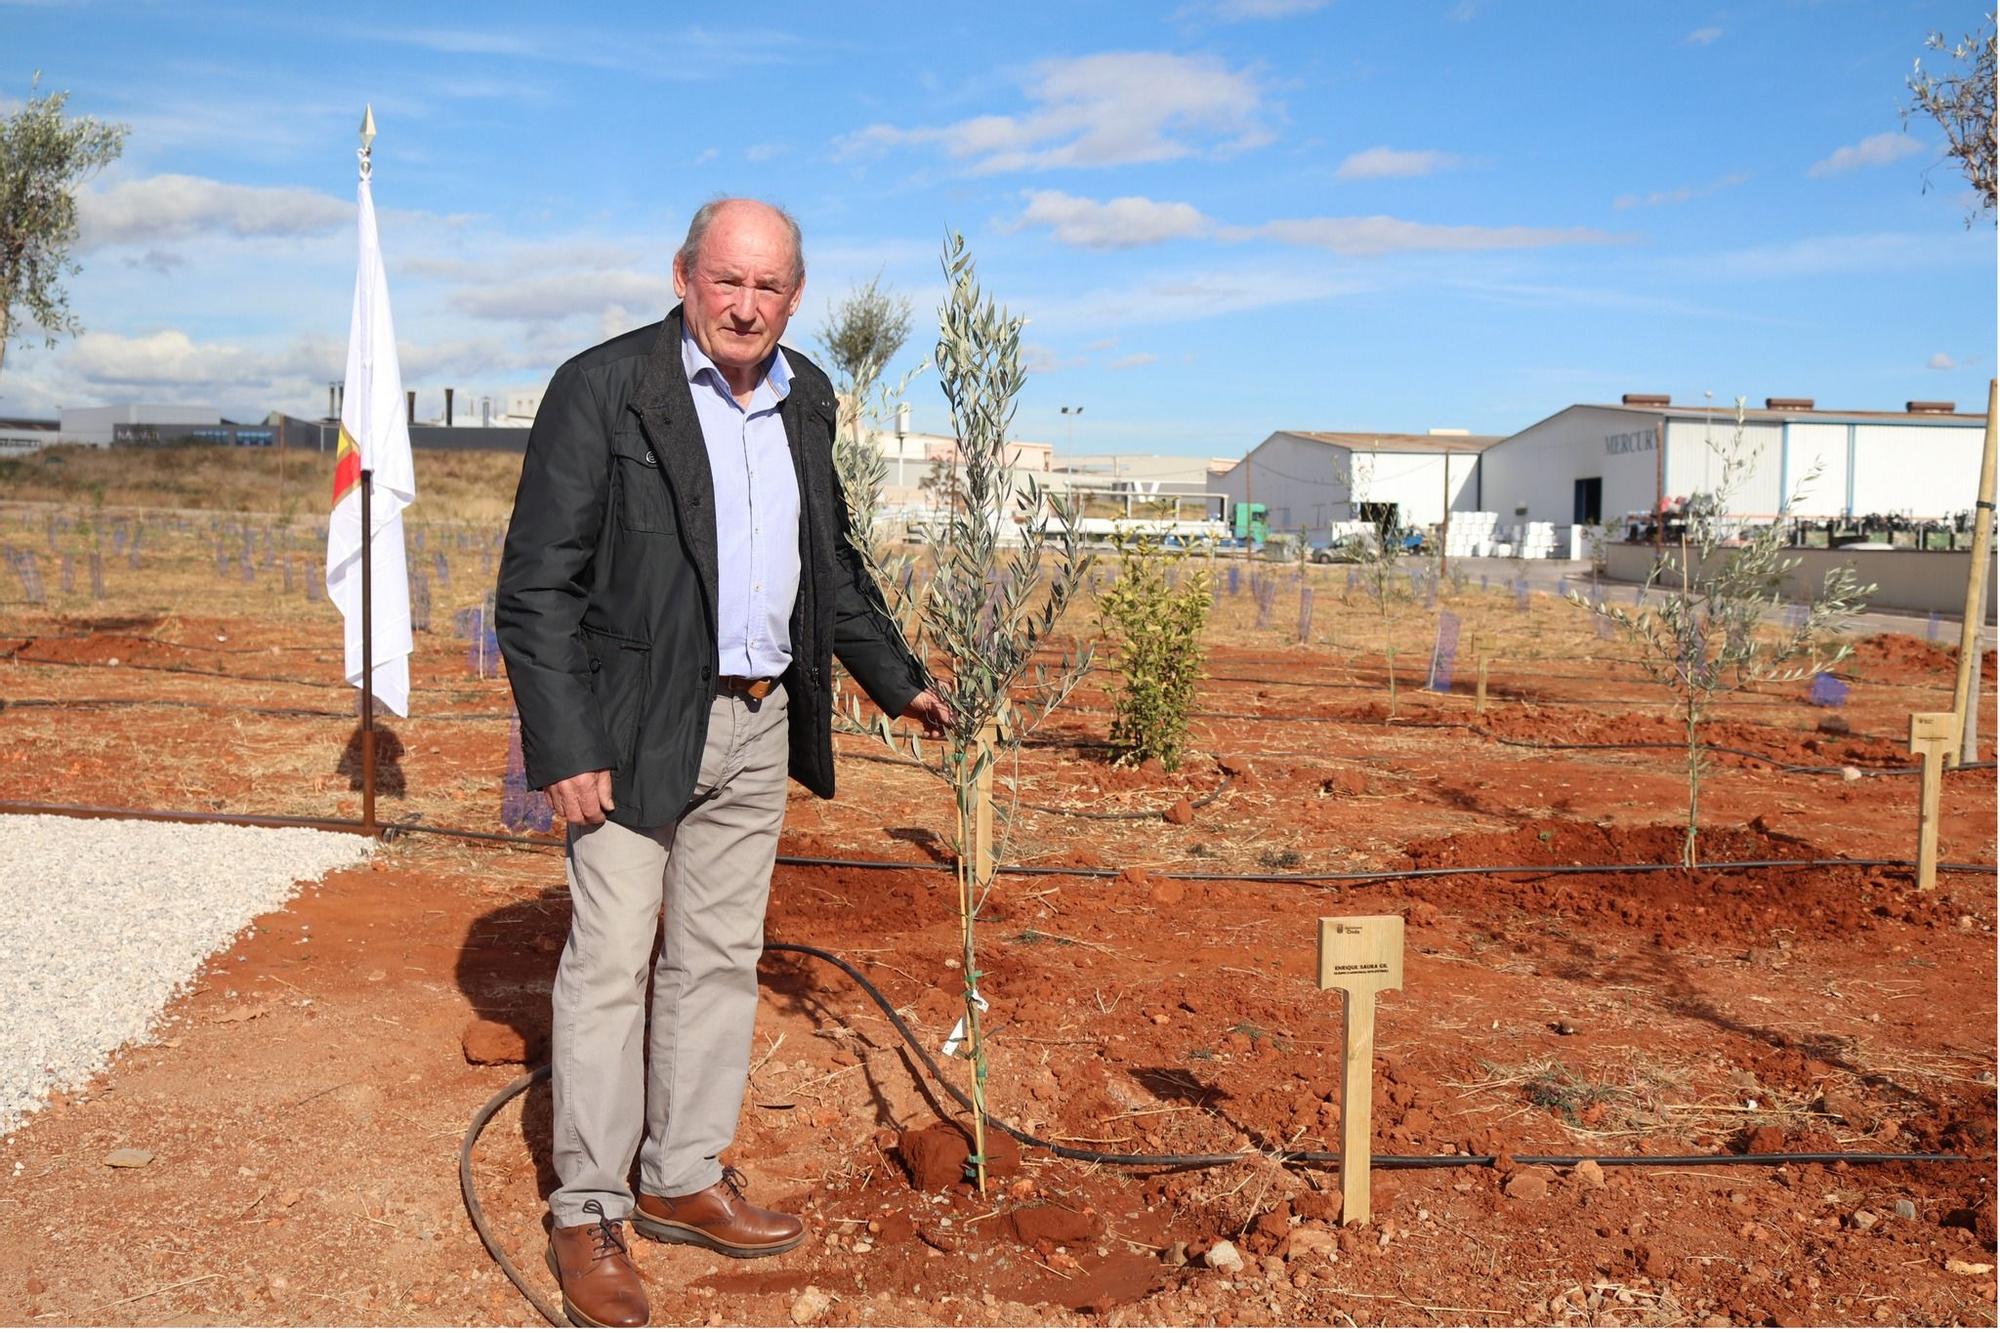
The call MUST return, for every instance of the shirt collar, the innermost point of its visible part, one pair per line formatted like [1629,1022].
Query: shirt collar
[777,375]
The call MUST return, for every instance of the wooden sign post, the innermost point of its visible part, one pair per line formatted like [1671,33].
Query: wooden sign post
[1931,735]
[1358,955]
[1479,691]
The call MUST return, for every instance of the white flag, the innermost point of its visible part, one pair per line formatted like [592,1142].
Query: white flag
[375,435]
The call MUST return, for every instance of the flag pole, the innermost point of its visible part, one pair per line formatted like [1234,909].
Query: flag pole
[367,653]
[367,571]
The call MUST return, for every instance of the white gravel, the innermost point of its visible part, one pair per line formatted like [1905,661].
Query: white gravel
[102,922]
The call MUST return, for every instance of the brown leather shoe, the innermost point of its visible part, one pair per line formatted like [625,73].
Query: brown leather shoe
[600,1287]
[718,1218]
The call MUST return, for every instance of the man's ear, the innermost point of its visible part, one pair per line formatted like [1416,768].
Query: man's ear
[798,295]
[680,278]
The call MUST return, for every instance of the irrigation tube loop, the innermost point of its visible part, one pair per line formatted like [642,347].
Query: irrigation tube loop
[1176,1161]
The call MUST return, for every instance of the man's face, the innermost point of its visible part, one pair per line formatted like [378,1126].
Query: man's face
[739,293]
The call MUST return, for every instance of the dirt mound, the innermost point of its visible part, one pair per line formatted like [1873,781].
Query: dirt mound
[1901,657]
[1530,724]
[1743,907]
[937,1155]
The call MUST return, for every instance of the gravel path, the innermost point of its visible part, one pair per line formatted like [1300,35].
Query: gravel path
[103,921]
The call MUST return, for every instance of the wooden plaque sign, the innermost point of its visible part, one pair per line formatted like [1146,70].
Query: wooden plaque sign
[1931,736]
[1358,955]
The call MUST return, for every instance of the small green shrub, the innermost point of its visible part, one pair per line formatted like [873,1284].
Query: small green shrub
[1154,614]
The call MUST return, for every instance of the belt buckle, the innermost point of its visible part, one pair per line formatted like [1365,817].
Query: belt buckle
[757,689]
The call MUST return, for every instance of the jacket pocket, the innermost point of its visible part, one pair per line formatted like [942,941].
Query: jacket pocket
[619,670]
[644,505]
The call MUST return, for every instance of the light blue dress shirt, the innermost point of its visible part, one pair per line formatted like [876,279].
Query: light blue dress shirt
[756,514]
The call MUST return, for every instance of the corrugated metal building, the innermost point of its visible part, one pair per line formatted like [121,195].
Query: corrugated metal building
[1313,479]
[1598,462]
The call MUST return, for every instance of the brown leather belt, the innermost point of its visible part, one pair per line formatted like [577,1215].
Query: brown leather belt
[750,687]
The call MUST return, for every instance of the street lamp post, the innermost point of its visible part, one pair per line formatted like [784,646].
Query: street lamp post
[1070,414]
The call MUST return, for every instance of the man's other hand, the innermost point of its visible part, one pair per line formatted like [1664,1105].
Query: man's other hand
[582,799]
[933,712]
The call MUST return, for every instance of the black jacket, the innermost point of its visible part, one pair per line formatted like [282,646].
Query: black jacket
[607,596]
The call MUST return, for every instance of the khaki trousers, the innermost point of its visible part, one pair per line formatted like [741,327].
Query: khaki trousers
[702,882]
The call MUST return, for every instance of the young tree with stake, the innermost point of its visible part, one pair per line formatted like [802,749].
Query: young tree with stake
[1701,638]
[987,611]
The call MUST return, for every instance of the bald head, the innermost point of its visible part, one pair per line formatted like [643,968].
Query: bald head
[740,276]
[742,212]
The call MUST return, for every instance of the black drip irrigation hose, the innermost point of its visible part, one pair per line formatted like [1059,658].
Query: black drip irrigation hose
[205,705]
[1067,812]
[1169,1161]
[552,843]
[1779,764]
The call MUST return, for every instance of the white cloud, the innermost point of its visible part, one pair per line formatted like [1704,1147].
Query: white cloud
[557,295]
[1387,235]
[1241,11]
[706,155]
[1134,221]
[1134,361]
[170,207]
[1176,297]
[1384,162]
[1941,361]
[170,364]
[162,262]
[1680,194]
[1877,150]
[1702,36]
[1102,110]
[764,152]
[1115,224]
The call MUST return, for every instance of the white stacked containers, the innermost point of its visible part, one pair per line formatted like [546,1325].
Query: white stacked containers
[1472,533]
[1537,541]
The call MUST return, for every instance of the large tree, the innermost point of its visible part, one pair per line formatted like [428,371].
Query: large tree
[44,156]
[1961,102]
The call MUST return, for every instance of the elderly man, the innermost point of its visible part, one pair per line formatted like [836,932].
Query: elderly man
[677,576]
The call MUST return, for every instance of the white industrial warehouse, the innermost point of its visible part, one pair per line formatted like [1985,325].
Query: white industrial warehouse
[1313,480]
[1594,464]
[1597,462]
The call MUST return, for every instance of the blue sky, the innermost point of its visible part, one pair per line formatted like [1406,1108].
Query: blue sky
[1221,217]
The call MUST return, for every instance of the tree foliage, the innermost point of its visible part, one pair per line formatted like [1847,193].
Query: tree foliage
[1706,635]
[1961,102]
[862,334]
[44,156]
[864,331]
[1154,614]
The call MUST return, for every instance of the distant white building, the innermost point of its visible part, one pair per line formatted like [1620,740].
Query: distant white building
[911,455]
[25,435]
[1142,472]
[1313,480]
[102,426]
[1597,462]
[510,408]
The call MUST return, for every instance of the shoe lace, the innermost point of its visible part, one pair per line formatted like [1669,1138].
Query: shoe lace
[735,1181]
[609,1235]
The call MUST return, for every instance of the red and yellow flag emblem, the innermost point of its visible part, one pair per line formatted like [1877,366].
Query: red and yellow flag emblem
[346,466]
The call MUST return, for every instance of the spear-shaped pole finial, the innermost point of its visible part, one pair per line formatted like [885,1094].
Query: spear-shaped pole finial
[367,128]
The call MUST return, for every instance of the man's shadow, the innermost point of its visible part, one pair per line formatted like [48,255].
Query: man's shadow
[506,968]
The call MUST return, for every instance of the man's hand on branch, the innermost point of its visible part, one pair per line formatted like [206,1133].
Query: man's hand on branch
[583,799]
[932,712]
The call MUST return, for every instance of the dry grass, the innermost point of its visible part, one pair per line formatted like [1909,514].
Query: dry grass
[453,486]
[1641,1098]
